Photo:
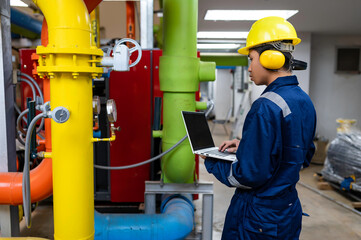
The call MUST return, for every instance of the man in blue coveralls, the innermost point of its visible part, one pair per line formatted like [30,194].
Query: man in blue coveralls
[276,141]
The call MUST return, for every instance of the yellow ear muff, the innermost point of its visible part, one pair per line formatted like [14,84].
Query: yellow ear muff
[272,59]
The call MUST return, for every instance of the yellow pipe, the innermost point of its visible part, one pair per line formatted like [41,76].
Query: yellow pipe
[112,137]
[68,60]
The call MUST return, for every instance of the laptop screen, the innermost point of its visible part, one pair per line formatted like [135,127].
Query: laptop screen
[198,130]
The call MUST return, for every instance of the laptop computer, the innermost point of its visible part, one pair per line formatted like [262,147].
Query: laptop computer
[200,137]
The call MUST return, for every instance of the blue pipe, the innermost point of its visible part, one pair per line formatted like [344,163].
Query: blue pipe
[25,21]
[175,222]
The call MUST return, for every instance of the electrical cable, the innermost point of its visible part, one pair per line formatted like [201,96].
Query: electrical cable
[40,94]
[211,106]
[36,85]
[31,86]
[144,162]
[26,171]
[19,112]
[18,121]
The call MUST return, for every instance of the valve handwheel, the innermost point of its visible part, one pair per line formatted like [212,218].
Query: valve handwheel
[133,49]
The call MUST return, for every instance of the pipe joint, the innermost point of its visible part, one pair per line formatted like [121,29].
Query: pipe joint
[72,58]
[178,74]
[207,71]
[44,154]
[201,105]
[157,134]
[111,139]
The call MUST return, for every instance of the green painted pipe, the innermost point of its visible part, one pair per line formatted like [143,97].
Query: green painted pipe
[201,105]
[180,72]
[157,134]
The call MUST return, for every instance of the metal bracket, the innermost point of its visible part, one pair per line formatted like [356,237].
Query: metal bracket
[205,188]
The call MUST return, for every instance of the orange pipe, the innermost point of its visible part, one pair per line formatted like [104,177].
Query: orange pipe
[130,20]
[41,183]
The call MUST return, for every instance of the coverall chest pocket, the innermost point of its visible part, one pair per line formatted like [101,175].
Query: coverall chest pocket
[259,230]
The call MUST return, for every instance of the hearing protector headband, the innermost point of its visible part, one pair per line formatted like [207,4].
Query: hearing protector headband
[272,56]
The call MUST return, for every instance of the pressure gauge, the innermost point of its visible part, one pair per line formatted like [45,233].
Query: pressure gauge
[111,111]
[96,105]
[60,114]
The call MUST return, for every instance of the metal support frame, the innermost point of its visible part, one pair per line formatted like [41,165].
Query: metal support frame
[146,24]
[205,188]
[9,217]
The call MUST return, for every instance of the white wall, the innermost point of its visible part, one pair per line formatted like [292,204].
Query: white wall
[334,95]
[223,93]
[303,53]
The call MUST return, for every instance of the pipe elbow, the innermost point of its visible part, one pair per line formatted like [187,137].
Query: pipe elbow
[178,218]
[41,183]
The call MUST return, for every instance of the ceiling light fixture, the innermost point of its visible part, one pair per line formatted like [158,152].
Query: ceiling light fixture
[218,46]
[222,35]
[246,15]
[17,3]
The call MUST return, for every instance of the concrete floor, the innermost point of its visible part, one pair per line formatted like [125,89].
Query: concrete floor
[327,220]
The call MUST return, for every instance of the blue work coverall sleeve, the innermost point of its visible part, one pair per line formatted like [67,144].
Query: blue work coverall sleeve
[256,154]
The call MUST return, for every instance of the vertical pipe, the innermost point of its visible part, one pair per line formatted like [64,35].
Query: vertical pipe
[9,217]
[130,19]
[179,68]
[94,17]
[71,87]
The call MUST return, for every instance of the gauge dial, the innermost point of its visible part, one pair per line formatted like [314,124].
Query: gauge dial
[60,114]
[111,111]
[96,105]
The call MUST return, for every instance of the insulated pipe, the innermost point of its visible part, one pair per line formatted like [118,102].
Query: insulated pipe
[179,76]
[69,61]
[175,222]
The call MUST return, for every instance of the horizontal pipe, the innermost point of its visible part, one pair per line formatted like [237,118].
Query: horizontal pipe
[25,21]
[175,222]
[41,183]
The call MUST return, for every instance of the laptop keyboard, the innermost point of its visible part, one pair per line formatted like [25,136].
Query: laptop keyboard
[218,153]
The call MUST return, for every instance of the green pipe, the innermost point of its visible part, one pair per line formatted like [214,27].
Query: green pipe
[201,105]
[157,133]
[180,72]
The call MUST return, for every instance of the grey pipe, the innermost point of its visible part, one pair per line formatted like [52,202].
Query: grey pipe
[26,171]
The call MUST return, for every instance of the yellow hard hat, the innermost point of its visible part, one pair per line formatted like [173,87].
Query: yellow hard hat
[270,29]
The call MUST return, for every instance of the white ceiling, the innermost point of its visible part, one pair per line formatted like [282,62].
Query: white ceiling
[316,16]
